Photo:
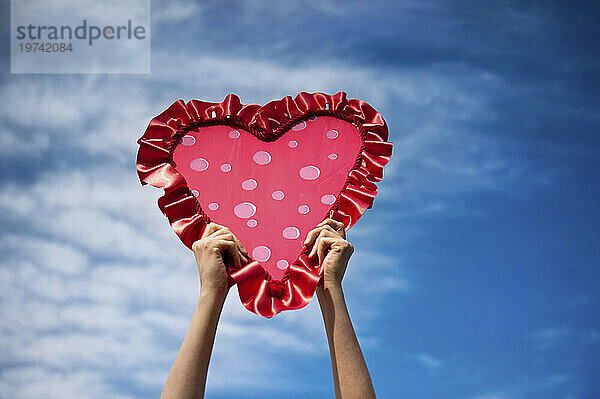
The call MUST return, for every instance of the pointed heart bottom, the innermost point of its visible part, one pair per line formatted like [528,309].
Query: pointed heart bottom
[269,194]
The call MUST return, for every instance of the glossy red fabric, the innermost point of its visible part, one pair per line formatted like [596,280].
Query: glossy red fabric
[163,161]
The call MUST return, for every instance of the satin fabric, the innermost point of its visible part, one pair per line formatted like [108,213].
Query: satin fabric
[258,292]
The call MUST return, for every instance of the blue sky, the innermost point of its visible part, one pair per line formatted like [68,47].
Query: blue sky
[476,272]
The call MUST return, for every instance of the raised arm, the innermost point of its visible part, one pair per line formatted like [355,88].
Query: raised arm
[351,377]
[217,247]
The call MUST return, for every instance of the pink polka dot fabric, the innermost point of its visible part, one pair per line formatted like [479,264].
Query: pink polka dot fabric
[270,173]
[269,194]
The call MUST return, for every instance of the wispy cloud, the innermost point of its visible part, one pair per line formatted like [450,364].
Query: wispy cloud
[96,291]
[431,363]
[561,336]
[490,396]
[77,280]
[96,278]
[175,12]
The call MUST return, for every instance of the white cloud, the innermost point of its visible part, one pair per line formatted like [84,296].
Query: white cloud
[55,256]
[259,81]
[490,396]
[96,287]
[20,143]
[563,336]
[534,386]
[431,363]
[98,279]
[452,161]
[120,287]
[39,382]
[436,158]
[371,272]
[171,12]
[39,98]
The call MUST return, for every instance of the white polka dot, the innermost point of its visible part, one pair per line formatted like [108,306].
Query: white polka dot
[332,156]
[195,193]
[303,209]
[188,140]
[299,126]
[310,172]
[293,144]
[282,264]
[234,134]
[225,167]
[262,157]
[291,233]
[244,210]
[278,195]
[213,206]
[328,199]
[332,134]
[251,223]
[249,184]
[261,253]
[199,164]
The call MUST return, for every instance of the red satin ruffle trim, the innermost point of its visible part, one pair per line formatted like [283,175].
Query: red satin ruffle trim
[257,291]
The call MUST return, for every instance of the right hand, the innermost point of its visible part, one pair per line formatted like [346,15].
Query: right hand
[217,249]
[333,251]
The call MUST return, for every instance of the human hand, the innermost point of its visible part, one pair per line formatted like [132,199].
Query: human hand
[217,249]
[331,248]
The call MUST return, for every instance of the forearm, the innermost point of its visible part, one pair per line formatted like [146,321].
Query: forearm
[187,378]
[350,374]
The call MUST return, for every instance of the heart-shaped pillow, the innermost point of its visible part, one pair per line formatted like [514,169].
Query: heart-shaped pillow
[270,174]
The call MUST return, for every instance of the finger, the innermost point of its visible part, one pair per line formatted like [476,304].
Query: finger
[209,229]
[313,234]
[321,250]
[324,247]
[240,245]
[313,250]
[236,255]
[217,229]
[220,231]
[231,249]
[334,223]
[224,230]
[243,257]
[339,227]
[329,233]
[323,233]
[226,234]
